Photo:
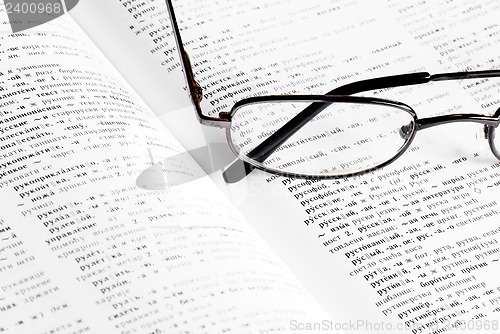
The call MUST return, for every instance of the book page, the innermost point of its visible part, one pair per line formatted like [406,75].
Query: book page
[96,235]
[134,37]
[412,245]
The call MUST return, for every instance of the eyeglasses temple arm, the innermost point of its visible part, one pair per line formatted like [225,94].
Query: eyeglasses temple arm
[193,86]
[195,89]
[465,75]
[408,80]
[381,83]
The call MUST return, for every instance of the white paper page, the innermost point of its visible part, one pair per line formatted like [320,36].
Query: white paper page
[132,35]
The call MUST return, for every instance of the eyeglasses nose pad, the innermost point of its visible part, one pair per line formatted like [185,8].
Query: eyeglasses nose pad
[406,130]
[483,133]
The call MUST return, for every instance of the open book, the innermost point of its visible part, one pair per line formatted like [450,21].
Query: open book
[95,237]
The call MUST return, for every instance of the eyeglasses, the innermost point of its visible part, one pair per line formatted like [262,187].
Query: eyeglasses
[326,136]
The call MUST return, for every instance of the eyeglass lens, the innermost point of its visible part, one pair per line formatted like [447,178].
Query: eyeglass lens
[345,138]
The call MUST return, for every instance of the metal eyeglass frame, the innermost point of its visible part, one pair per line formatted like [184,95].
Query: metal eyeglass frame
[260,153]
